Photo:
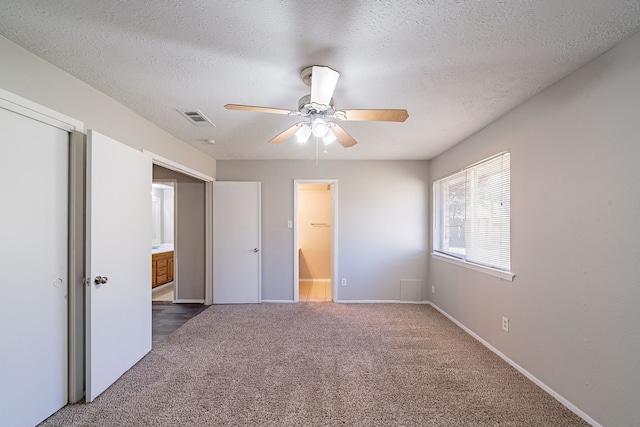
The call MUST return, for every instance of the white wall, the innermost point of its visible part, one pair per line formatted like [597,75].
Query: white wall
[382,226]
[30,77]
[575,197]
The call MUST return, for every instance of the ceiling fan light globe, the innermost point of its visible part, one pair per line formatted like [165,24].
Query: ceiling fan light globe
[329,137]
[303,134]
[319,127]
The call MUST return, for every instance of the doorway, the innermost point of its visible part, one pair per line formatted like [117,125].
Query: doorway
[191,228]
[182,252]
[315,231]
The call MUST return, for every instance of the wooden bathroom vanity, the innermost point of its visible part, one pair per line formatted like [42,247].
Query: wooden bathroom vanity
[161,268]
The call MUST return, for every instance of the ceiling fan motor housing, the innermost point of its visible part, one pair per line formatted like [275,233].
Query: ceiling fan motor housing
[306,107]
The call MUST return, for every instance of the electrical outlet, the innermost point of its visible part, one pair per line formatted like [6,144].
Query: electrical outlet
[505,324]
[433,289]
[344,282]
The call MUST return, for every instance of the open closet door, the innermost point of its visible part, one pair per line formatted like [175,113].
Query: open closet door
[118,260]
[236,243]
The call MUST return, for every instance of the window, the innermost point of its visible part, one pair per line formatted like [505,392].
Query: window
[472,215]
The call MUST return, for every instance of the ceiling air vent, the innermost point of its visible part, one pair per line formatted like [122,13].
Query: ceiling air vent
[196,118]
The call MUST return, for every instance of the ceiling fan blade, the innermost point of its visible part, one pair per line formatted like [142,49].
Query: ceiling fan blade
[257,109]
[279,139]
[323,83]
[344,138]
[377,115]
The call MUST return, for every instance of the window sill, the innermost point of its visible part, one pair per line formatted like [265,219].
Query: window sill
[504,275]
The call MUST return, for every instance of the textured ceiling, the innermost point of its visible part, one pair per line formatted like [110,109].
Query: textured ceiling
[454,65]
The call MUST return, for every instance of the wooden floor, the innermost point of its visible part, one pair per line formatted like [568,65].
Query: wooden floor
[166,317]
[316,291]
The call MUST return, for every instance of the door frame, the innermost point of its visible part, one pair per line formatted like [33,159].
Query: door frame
[208,207]
[333,185]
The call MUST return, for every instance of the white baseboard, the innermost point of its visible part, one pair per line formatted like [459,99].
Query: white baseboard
[373,301]
[378,301]
[189,301]
[573,408]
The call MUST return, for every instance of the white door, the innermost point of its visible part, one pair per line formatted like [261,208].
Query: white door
[236,242]
[118,254]
[34,177]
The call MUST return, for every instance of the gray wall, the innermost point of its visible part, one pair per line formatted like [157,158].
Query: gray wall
[190,244]
[575,197]
[382,223]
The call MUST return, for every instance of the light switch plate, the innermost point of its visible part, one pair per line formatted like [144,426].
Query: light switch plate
[289,224]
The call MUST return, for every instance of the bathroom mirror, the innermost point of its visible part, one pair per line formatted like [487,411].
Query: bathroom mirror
[162,214]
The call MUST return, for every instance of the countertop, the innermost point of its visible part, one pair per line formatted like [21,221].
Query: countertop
[162,248]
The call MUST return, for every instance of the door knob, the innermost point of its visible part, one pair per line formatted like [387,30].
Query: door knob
[255,249]
[101,280]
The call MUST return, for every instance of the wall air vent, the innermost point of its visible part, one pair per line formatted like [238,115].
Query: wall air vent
[196,118]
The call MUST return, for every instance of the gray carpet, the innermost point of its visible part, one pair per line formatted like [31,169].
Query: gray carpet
[320,364]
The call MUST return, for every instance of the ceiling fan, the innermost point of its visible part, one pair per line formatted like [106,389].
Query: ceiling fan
[319,111]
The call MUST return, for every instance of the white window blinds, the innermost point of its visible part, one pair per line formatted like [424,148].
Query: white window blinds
[473,213]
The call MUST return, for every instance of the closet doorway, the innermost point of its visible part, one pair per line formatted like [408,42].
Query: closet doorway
[315,232]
